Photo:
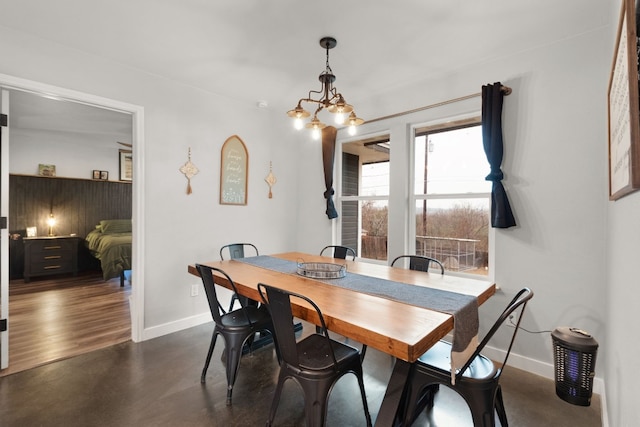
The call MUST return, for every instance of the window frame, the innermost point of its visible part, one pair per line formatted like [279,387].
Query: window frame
[401,131]
[438,127]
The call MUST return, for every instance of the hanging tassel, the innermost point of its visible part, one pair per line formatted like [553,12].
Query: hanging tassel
[188,186]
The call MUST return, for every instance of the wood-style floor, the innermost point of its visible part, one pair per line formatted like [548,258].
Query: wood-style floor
[156,383]
[57,317]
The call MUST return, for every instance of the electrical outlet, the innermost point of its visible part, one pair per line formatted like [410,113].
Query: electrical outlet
[194,290]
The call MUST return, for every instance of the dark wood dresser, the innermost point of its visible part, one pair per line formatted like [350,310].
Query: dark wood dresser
[50,255]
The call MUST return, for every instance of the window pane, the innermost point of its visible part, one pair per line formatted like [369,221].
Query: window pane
[455,232]
[451,162]
[375,179]
[373,234]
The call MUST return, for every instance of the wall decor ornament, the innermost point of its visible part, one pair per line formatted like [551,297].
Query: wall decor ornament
[623,102]
[189,170]
[234,169]
[271,180]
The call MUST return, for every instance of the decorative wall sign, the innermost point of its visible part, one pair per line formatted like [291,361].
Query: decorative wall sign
[234,167]
[624,124]
[189,170]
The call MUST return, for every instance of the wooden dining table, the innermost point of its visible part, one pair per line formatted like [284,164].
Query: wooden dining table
[400,329]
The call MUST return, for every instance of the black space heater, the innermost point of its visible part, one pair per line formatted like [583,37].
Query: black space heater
[575,353]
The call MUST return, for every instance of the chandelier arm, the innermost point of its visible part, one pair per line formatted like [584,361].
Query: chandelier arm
[310,100]
[328,97]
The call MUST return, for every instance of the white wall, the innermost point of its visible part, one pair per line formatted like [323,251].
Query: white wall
[180,229]
[555,174]
[555,136]
[72,154]
[623,301]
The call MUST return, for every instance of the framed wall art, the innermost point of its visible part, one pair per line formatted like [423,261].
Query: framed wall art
[126,165]
[623,100]
[46,170]
[234,167]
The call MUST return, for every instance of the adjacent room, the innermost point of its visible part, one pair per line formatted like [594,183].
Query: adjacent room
[484,160]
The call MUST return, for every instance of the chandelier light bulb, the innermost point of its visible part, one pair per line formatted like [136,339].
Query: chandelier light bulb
[328,99]
[352,130]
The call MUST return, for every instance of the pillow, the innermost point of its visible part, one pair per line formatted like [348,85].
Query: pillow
[111,226]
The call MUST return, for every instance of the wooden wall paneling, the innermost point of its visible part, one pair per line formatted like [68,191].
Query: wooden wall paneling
[77,204]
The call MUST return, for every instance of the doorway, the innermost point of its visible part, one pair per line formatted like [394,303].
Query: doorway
[95,105]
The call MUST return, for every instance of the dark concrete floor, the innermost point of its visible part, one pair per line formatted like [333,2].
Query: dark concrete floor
[157,383]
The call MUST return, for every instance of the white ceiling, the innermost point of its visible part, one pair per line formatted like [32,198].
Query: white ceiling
[259,50]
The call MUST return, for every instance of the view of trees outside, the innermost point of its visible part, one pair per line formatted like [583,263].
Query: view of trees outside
[451,201]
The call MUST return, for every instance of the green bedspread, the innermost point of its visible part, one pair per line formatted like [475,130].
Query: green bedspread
[113,250]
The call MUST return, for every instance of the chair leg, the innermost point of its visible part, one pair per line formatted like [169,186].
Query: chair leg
[206,363]
[360,377]
[502,414]
[316,394]
[234,352]
[276,397]
[482,407]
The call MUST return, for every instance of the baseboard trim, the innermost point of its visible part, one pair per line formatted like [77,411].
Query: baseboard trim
[178,325]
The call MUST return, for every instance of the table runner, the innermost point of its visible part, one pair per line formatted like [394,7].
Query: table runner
[464,308]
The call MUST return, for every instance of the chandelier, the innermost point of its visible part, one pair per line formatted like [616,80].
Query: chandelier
[330,99]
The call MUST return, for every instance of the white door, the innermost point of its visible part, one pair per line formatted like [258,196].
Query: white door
[4,231]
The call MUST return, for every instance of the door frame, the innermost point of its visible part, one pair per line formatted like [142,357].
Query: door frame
[136,300]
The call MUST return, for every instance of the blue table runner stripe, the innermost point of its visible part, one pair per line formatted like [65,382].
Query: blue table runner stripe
[463,307]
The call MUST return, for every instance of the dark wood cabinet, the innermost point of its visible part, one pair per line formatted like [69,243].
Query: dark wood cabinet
[50,255]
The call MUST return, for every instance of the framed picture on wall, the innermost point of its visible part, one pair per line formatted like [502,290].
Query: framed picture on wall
[126,165]
[104,175]
[46,170]
[623,100]
[96,174]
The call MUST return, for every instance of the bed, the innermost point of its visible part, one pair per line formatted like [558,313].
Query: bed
[110,243]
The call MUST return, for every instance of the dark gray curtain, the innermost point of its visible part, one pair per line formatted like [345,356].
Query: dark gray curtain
[328,153]
[492,96]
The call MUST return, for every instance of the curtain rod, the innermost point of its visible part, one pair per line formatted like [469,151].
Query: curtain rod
[504,89]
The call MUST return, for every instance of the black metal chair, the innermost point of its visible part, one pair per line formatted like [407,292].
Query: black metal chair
[340,252]
[419,263]
[477,381]
[237,250]
[315,362]
[236,327]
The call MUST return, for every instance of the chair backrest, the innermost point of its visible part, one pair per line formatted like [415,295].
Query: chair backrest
[209,282]
[340,251]
[519,302]
[278,302]
[419,263]
[236,250]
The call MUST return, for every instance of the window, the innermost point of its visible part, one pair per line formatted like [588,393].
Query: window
[365,196]
[452,198]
